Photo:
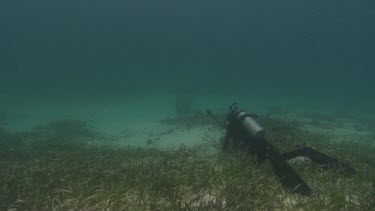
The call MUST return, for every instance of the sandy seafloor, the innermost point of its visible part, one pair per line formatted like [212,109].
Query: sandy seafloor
[137,120]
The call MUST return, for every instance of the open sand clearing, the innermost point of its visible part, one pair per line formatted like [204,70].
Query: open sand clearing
[141,121]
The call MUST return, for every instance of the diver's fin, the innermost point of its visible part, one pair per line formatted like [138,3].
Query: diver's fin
[318,158]
[288,177]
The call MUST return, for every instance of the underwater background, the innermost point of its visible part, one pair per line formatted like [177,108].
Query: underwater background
[128,68]
[293,53]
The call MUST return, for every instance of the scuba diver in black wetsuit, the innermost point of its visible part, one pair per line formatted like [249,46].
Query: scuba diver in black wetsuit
[243,131]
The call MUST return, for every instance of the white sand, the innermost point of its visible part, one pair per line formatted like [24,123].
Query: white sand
[136,120]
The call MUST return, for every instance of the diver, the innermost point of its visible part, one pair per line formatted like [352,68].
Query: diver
[243,131]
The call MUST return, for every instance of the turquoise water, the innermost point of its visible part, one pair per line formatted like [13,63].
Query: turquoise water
[91,54]
[84,81]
